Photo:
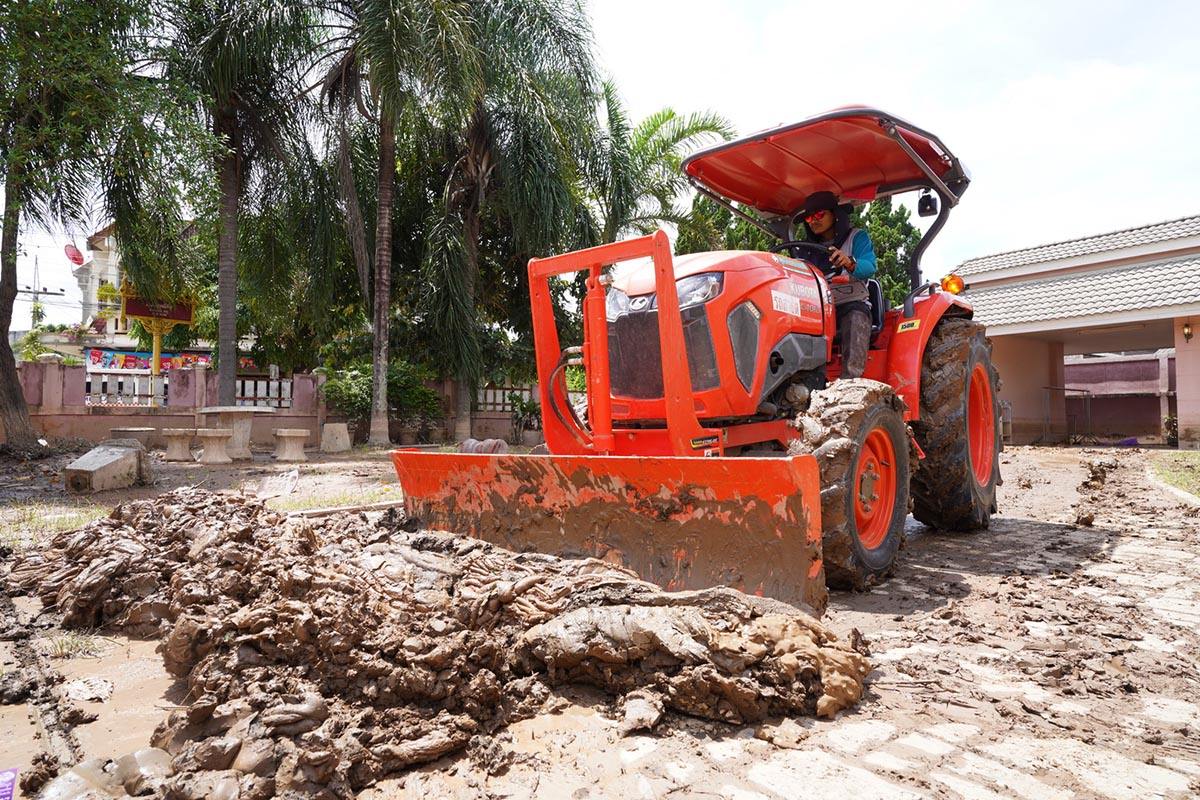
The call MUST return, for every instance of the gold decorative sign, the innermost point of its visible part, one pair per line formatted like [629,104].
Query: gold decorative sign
[158,318]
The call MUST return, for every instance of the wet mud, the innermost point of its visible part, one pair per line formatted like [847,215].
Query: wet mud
[316,657]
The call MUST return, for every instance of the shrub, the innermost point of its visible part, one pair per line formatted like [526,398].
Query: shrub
[349,392]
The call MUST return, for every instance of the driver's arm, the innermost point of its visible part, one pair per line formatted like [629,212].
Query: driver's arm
[863,265]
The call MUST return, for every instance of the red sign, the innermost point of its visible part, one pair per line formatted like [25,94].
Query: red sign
[73,253]
[136,307]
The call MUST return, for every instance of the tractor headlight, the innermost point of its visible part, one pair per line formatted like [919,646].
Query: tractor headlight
[696,289]
[616,303]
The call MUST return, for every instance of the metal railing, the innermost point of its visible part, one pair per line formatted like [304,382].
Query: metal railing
[137,387]
[272,392]
[494,399]
[126,387]
[1071,431]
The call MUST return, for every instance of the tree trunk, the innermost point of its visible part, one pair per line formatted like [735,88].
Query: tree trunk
[355,229]
[478,173]
[230,180]
[383,280]
[14,414]
[466,383]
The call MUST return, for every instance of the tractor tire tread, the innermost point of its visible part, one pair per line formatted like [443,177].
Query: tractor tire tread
[829,429]
[944,491]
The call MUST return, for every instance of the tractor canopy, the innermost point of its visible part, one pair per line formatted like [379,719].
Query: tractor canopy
[857,153]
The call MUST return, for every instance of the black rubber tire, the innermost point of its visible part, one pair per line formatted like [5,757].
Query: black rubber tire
[838,421]
[947,494]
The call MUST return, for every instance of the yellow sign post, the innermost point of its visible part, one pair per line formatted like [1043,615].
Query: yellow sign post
[158,318]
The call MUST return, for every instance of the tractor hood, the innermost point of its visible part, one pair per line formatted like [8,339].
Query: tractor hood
[857,153]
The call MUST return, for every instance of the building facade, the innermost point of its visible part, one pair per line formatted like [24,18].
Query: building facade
[1133,292]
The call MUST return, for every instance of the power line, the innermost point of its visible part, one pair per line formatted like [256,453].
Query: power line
[35,292]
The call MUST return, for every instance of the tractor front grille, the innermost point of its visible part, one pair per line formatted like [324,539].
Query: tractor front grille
[635,357]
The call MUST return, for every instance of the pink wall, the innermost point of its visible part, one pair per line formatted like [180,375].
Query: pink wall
[1187,379]
[56,397]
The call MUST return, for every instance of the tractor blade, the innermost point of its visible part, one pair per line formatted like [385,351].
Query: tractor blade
[682,523]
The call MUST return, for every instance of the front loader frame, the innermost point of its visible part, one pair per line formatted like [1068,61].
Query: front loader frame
[683,435]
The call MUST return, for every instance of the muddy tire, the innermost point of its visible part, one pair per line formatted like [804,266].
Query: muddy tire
[856,430]
[959,429]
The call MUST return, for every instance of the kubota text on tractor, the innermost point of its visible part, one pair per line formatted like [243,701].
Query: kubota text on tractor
[717,446]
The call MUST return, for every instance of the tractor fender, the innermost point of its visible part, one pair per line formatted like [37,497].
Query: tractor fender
[907,348]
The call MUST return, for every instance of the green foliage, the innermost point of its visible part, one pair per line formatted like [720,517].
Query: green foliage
[526,415]
[36,314]
[1171,430]
[576,378]
[634,171]
[30,346]
[179,338]
[514,141]
[349,391]
[1181,469]
[710,226]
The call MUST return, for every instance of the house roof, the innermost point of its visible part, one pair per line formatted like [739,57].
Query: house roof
[1138,287]
[1117,240]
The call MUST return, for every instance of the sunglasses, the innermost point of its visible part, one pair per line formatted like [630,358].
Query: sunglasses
[815,216]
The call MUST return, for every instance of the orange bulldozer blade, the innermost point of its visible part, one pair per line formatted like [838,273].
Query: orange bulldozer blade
[680,522]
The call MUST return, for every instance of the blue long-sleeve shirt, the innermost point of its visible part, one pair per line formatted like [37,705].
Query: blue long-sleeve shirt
[863,252]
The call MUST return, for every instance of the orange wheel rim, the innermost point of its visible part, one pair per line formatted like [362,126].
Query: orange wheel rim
[875,488]
[981,424]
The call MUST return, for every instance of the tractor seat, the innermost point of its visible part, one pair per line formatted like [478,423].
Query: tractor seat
[878,306]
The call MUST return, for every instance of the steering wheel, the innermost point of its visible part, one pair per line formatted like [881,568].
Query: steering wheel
[816,249]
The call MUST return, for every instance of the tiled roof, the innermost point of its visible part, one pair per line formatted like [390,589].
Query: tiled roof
[1117,240]
[1141,286]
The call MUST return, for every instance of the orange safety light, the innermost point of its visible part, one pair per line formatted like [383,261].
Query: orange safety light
[953,284]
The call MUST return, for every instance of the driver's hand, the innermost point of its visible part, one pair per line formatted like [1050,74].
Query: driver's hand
[840,259]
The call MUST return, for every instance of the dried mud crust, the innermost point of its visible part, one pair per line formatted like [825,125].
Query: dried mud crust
[833,429]
[322,655]
[945,492]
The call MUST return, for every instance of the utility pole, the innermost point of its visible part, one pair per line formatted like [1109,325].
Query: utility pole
[34,291]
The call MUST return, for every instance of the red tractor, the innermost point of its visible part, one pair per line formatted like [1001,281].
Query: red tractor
[718,446]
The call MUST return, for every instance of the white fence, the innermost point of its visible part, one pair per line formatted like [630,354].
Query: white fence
[495,399]
[137,387]
[126,387]
[273,392]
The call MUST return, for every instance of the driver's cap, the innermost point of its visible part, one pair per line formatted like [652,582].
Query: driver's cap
[819,201]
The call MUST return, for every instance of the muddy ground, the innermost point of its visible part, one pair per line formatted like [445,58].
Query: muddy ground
[1054,655]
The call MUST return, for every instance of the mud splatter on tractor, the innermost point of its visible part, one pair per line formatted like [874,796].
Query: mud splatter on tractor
[718,446]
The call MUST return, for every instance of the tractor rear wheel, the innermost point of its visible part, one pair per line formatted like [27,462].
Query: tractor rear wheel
[959,429]
[855,429]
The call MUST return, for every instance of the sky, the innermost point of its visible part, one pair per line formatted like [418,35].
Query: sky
[1074,118]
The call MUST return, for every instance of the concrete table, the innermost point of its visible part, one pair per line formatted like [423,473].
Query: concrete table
[238,419]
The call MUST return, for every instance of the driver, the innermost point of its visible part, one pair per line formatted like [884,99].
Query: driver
[828,224]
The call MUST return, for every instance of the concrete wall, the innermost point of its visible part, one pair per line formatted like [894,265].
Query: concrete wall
[56,398]
[1027,365]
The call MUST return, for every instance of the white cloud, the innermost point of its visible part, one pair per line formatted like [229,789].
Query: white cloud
[1075,118]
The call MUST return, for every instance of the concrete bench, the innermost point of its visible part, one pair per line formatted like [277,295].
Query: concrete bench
[179,443]
[289,444]
[335,437]
[141,434]
[215,441]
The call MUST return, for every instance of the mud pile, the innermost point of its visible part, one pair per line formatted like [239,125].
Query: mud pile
[321,655]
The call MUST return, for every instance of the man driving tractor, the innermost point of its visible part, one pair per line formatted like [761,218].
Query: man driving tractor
[851,249]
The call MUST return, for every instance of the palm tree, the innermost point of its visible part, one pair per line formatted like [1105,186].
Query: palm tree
[635,174]
[396,61]
[66,83]
[242,60]
[516,147]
